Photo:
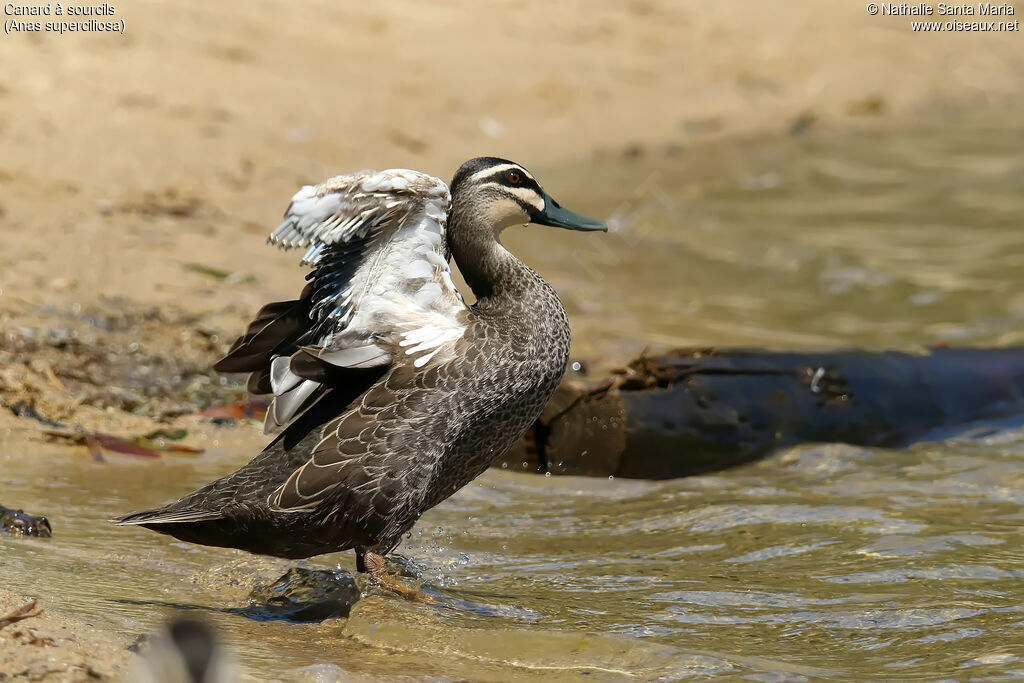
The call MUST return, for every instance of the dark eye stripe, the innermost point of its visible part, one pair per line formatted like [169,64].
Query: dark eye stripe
[501,178]
[478,171]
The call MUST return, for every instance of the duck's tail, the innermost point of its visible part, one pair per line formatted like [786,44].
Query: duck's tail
[166,515]
[256,533]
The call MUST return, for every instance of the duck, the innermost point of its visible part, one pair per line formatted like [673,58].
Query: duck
[392,392]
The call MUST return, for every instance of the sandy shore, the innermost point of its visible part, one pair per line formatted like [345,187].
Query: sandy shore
[140,172]
[182,140]
[52,647]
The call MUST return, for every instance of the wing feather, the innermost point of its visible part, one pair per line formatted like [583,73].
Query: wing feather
[275,329]
[380,291]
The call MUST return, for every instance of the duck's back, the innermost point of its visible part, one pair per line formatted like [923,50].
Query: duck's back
[422,433]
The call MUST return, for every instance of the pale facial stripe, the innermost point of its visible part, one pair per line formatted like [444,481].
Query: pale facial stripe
[501,168]
[525,195]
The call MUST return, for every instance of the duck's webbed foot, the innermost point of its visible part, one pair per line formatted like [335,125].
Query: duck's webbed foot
[376,566]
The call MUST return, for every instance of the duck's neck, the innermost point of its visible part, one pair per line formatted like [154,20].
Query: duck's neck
[494,274]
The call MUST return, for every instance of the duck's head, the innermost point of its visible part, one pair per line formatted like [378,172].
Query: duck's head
[504,193]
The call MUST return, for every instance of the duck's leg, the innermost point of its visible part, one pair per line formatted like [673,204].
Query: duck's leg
[376,566]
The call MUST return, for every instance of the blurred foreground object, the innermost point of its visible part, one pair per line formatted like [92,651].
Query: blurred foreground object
[696,410]
[186,651]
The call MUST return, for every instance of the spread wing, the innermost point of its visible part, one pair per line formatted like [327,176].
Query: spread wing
[380,291]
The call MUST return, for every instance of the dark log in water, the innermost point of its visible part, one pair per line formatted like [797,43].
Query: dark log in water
[695,410]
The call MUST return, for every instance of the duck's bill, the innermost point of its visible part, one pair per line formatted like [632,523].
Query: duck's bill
[557,217]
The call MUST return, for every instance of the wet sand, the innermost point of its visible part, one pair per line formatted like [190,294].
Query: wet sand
[140,173]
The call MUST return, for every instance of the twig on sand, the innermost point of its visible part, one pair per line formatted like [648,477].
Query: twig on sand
[27,611]
[51,376]
[147,446]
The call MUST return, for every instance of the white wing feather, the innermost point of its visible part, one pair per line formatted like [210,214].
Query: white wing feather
[384,287]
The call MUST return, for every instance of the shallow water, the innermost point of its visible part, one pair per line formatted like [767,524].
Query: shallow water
[823,561]
[879,240]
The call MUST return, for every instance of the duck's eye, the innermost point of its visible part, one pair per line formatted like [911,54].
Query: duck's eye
[513,177]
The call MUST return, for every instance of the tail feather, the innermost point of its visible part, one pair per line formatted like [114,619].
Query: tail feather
[165,516]
[232,512]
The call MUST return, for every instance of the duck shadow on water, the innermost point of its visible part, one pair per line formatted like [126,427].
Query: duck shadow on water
[300,595]
[306,595]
